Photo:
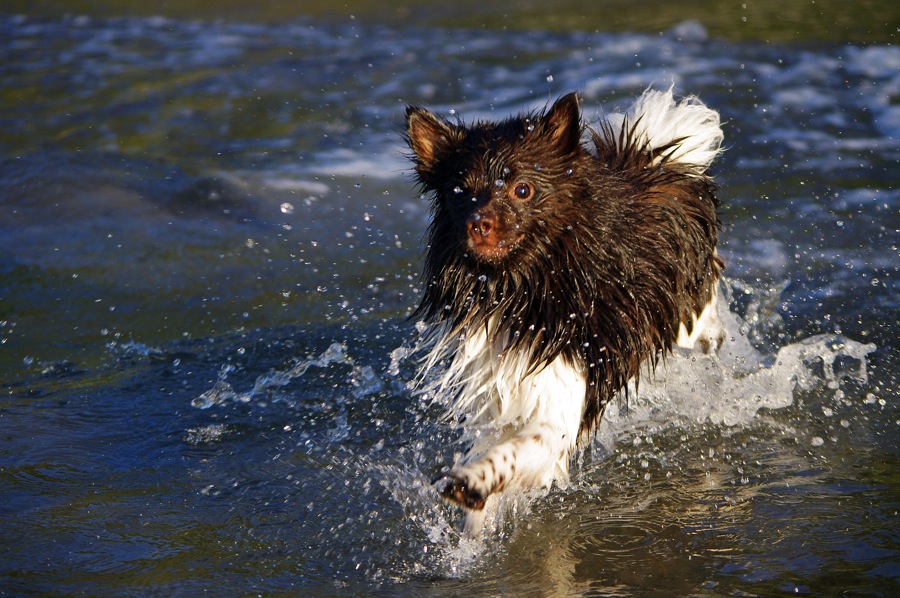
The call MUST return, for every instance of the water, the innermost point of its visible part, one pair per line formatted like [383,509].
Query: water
[208,249]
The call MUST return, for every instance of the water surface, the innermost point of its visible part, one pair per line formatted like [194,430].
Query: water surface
[209,247]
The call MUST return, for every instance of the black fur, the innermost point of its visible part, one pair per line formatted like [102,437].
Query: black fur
[600,265]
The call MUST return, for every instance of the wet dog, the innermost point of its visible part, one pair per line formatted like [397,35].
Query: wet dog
[561,260]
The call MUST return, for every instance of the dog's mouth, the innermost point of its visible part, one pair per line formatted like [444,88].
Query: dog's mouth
[489,248]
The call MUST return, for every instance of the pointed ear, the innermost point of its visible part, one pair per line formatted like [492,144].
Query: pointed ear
[428,136]
[563,123]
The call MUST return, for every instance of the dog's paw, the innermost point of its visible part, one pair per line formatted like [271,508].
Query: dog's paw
[458,490]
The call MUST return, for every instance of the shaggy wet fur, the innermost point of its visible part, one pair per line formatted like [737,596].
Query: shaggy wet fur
[556,251]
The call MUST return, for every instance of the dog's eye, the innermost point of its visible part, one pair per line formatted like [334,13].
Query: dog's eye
[523,191]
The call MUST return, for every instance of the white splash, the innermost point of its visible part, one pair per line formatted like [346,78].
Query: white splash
[689,389]
[362,379]
[731,387]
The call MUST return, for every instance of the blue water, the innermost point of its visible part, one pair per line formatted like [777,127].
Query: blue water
[209,247]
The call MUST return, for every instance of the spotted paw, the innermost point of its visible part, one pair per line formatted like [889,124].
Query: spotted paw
[460,492]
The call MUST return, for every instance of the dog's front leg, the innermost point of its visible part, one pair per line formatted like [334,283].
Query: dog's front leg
[551,404]
[532,458]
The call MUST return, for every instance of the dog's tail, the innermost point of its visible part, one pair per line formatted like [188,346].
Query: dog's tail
[686,132]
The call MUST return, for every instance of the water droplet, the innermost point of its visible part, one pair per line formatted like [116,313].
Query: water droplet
[817,441]
[499,183]
[287,208]
[457,190]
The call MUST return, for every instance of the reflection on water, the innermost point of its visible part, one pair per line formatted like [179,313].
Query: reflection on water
[209,245]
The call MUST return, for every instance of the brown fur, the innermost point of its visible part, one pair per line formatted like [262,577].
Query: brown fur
[612,250]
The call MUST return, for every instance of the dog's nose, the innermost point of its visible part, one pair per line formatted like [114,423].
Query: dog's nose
[481,223]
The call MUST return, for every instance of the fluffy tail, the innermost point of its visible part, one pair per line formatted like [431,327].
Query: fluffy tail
[687,131]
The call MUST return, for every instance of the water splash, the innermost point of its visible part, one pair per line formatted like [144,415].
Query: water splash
[206,434]
[398,356]
[362,379]
[730,388]
[440,547]
[220,393]
[689,390]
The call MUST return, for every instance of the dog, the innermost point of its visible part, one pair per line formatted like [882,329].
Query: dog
[561,260]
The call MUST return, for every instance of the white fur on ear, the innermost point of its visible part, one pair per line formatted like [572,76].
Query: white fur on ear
[658,120]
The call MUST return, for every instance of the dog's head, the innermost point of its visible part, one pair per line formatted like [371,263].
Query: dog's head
[500,187]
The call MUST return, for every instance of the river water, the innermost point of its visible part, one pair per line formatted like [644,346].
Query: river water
[209,250]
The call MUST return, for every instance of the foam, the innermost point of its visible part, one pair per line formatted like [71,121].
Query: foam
[688,390]
[730,388]
[362,379]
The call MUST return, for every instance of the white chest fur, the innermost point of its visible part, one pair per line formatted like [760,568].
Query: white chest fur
[524,426]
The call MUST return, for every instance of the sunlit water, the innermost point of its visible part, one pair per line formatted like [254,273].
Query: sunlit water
[209,246]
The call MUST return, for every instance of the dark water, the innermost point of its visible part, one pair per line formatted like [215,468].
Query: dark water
[209,244]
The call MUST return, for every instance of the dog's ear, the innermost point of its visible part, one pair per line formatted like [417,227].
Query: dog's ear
[562,123]
[429,137]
